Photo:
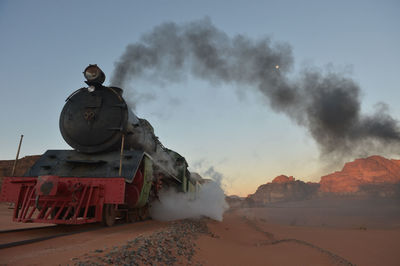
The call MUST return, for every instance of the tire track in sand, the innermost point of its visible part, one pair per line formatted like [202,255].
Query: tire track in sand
[273,241]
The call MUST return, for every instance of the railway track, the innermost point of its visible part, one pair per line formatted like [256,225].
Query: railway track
[25,236]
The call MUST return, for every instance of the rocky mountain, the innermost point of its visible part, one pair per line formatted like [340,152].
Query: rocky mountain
[374,176]
[234,201]
[23,165]
[374,170]
[282,188]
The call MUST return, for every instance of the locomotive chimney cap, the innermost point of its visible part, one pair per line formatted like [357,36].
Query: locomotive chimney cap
[94,74]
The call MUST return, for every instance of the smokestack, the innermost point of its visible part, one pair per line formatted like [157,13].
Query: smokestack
[326,104]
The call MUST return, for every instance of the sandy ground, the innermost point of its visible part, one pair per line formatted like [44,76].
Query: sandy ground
[250,237]
[63,250]
[302,233]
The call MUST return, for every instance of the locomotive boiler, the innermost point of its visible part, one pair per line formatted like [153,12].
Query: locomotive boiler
[115,170]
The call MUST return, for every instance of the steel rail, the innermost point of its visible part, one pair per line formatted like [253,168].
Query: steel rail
[93,227]
[25,229]
[43,238]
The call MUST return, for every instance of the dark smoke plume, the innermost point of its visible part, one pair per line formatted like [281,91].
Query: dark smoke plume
[327,104]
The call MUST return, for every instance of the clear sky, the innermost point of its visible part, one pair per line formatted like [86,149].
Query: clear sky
[45,45]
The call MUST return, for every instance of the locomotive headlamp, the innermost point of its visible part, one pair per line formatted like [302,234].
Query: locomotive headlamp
[94,74]
[91,88]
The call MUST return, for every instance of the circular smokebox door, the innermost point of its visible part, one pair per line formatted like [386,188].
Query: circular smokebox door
[93,121]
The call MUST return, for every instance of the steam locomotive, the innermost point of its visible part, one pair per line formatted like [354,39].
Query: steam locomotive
[117,167]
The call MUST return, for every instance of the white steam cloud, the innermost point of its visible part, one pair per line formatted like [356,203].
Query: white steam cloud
[209,202]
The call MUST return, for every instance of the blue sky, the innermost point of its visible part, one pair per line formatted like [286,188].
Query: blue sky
[45,45]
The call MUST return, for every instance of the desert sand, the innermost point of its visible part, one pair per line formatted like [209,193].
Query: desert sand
[331,232]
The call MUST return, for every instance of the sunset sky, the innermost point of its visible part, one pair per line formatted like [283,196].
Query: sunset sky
[45,46]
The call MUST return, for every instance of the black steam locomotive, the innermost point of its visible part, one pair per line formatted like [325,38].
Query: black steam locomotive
[116,169]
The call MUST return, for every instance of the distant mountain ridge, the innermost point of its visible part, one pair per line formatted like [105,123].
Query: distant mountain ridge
[282,188]
[366,177]
[372,170]
[23,165]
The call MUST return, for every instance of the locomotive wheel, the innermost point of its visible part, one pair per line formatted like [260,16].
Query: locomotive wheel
[109,214]
[144,213]
[132,216]
[139,214]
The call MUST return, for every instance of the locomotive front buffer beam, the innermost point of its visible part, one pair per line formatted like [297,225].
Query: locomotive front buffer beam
[61,200]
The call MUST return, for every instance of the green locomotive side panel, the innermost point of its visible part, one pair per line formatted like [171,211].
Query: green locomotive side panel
[184,183]
[192,188]
[192,191]
[148,178]
[197,189]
